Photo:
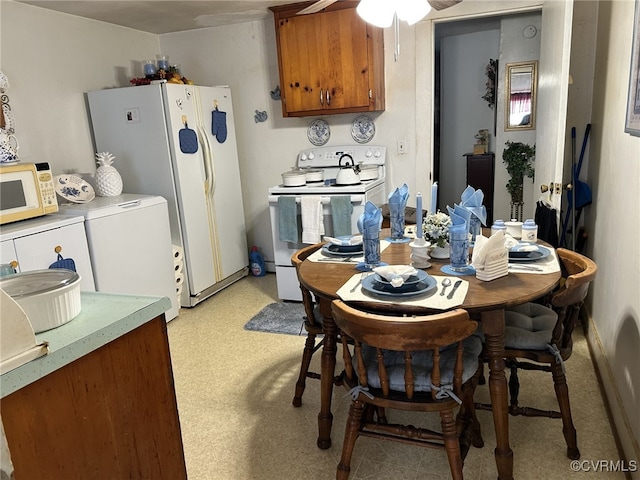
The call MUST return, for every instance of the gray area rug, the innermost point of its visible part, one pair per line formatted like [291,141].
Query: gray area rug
[279,317]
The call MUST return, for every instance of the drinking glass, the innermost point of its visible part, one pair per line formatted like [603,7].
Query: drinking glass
[396,219]
[475,227]
[459,249]
[371,247]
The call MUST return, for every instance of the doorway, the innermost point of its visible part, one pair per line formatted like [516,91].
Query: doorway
[463,51]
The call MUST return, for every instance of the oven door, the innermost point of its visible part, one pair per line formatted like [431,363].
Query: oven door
[288,287]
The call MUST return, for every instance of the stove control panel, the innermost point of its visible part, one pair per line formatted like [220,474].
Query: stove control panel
[327,157]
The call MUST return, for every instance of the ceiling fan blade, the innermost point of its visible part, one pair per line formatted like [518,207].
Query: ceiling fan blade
[316,7]
[442,4]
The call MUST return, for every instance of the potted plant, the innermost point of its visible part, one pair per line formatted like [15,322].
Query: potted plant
[435,227]
[517,157]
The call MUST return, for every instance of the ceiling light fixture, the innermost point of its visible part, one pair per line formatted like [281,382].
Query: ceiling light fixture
[382,12]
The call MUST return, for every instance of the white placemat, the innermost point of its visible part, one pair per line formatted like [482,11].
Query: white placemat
[540,267]
[434,300]
[318,256]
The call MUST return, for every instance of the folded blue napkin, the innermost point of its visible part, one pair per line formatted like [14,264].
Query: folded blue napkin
[399,197]
[460,217]
[397,204]
[370,221]
[472,200]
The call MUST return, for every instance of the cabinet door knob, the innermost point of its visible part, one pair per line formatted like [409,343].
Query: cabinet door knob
[328,97]
[321,98]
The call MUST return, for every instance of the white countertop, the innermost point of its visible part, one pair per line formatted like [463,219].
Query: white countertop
[36,225]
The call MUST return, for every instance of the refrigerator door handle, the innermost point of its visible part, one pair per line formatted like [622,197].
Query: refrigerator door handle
[208,162]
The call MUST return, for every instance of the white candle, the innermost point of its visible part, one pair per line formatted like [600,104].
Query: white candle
[434,197]
[419,215]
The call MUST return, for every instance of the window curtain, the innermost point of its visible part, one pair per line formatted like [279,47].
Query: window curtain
[520,103]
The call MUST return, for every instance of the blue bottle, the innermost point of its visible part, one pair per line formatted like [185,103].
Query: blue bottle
[256,262]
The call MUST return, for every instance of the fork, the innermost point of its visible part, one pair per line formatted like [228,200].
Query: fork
[362,276]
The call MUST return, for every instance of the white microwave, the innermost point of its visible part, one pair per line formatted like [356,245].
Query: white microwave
[26,191]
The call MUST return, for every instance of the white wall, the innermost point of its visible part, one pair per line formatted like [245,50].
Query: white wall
[613,222]
[51,59]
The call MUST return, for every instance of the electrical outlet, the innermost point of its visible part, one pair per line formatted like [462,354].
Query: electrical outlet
[402,146]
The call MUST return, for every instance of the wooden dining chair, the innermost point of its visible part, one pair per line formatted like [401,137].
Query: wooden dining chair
[417,364]
[541,334]
[312,324]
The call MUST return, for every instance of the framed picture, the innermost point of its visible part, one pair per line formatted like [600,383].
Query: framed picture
[632,123]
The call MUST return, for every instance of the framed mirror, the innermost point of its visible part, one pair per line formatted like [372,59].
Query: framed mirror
[521,80]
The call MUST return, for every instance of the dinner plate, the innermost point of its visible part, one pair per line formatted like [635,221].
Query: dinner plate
[516,255]
[74,188]
[341,250]
[374,288]
[363,129]
[318,132]
[408,284]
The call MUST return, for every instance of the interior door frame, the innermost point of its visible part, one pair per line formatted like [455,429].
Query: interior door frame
[553,80]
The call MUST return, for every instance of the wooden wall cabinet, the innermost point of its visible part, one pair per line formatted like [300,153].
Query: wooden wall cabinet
[330,62]
[480,175]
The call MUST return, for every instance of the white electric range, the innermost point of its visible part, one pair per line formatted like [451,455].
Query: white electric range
[325,159]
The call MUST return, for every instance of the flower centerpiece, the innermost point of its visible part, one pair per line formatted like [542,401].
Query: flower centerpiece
[435,227]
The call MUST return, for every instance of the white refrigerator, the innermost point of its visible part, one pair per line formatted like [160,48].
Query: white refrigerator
[178,141]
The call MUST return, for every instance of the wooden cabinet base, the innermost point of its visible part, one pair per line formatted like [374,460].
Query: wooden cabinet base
[110,414]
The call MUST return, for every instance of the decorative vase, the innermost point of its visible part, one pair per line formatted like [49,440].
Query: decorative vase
[440,252]
[108,180]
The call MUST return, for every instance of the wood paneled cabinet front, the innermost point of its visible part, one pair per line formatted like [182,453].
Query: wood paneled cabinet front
[480,175]
[330,62]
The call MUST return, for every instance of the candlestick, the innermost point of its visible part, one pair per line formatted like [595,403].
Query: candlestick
[434,197]
[419,215]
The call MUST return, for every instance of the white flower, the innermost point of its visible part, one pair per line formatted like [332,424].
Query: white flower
[435,227]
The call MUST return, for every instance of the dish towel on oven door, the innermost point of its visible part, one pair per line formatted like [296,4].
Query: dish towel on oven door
[312,221]
[341,210]
[288,221]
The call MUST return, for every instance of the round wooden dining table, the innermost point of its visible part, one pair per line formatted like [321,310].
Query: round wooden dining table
[485,301]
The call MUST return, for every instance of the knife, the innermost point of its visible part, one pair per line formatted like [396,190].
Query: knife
[525,267]
[453,290]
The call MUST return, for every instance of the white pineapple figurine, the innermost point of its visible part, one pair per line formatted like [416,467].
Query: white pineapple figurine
[107,179]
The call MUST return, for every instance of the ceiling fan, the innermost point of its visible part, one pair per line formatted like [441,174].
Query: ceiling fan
[322,4]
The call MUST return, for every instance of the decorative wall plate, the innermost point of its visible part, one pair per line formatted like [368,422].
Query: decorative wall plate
[318,132]
[363,129]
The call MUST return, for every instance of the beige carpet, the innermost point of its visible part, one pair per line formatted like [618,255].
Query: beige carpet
[234,390]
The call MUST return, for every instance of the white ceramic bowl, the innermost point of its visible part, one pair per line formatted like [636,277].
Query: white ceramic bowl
[368,172]
[313,175]
[294,178]
[50,298]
